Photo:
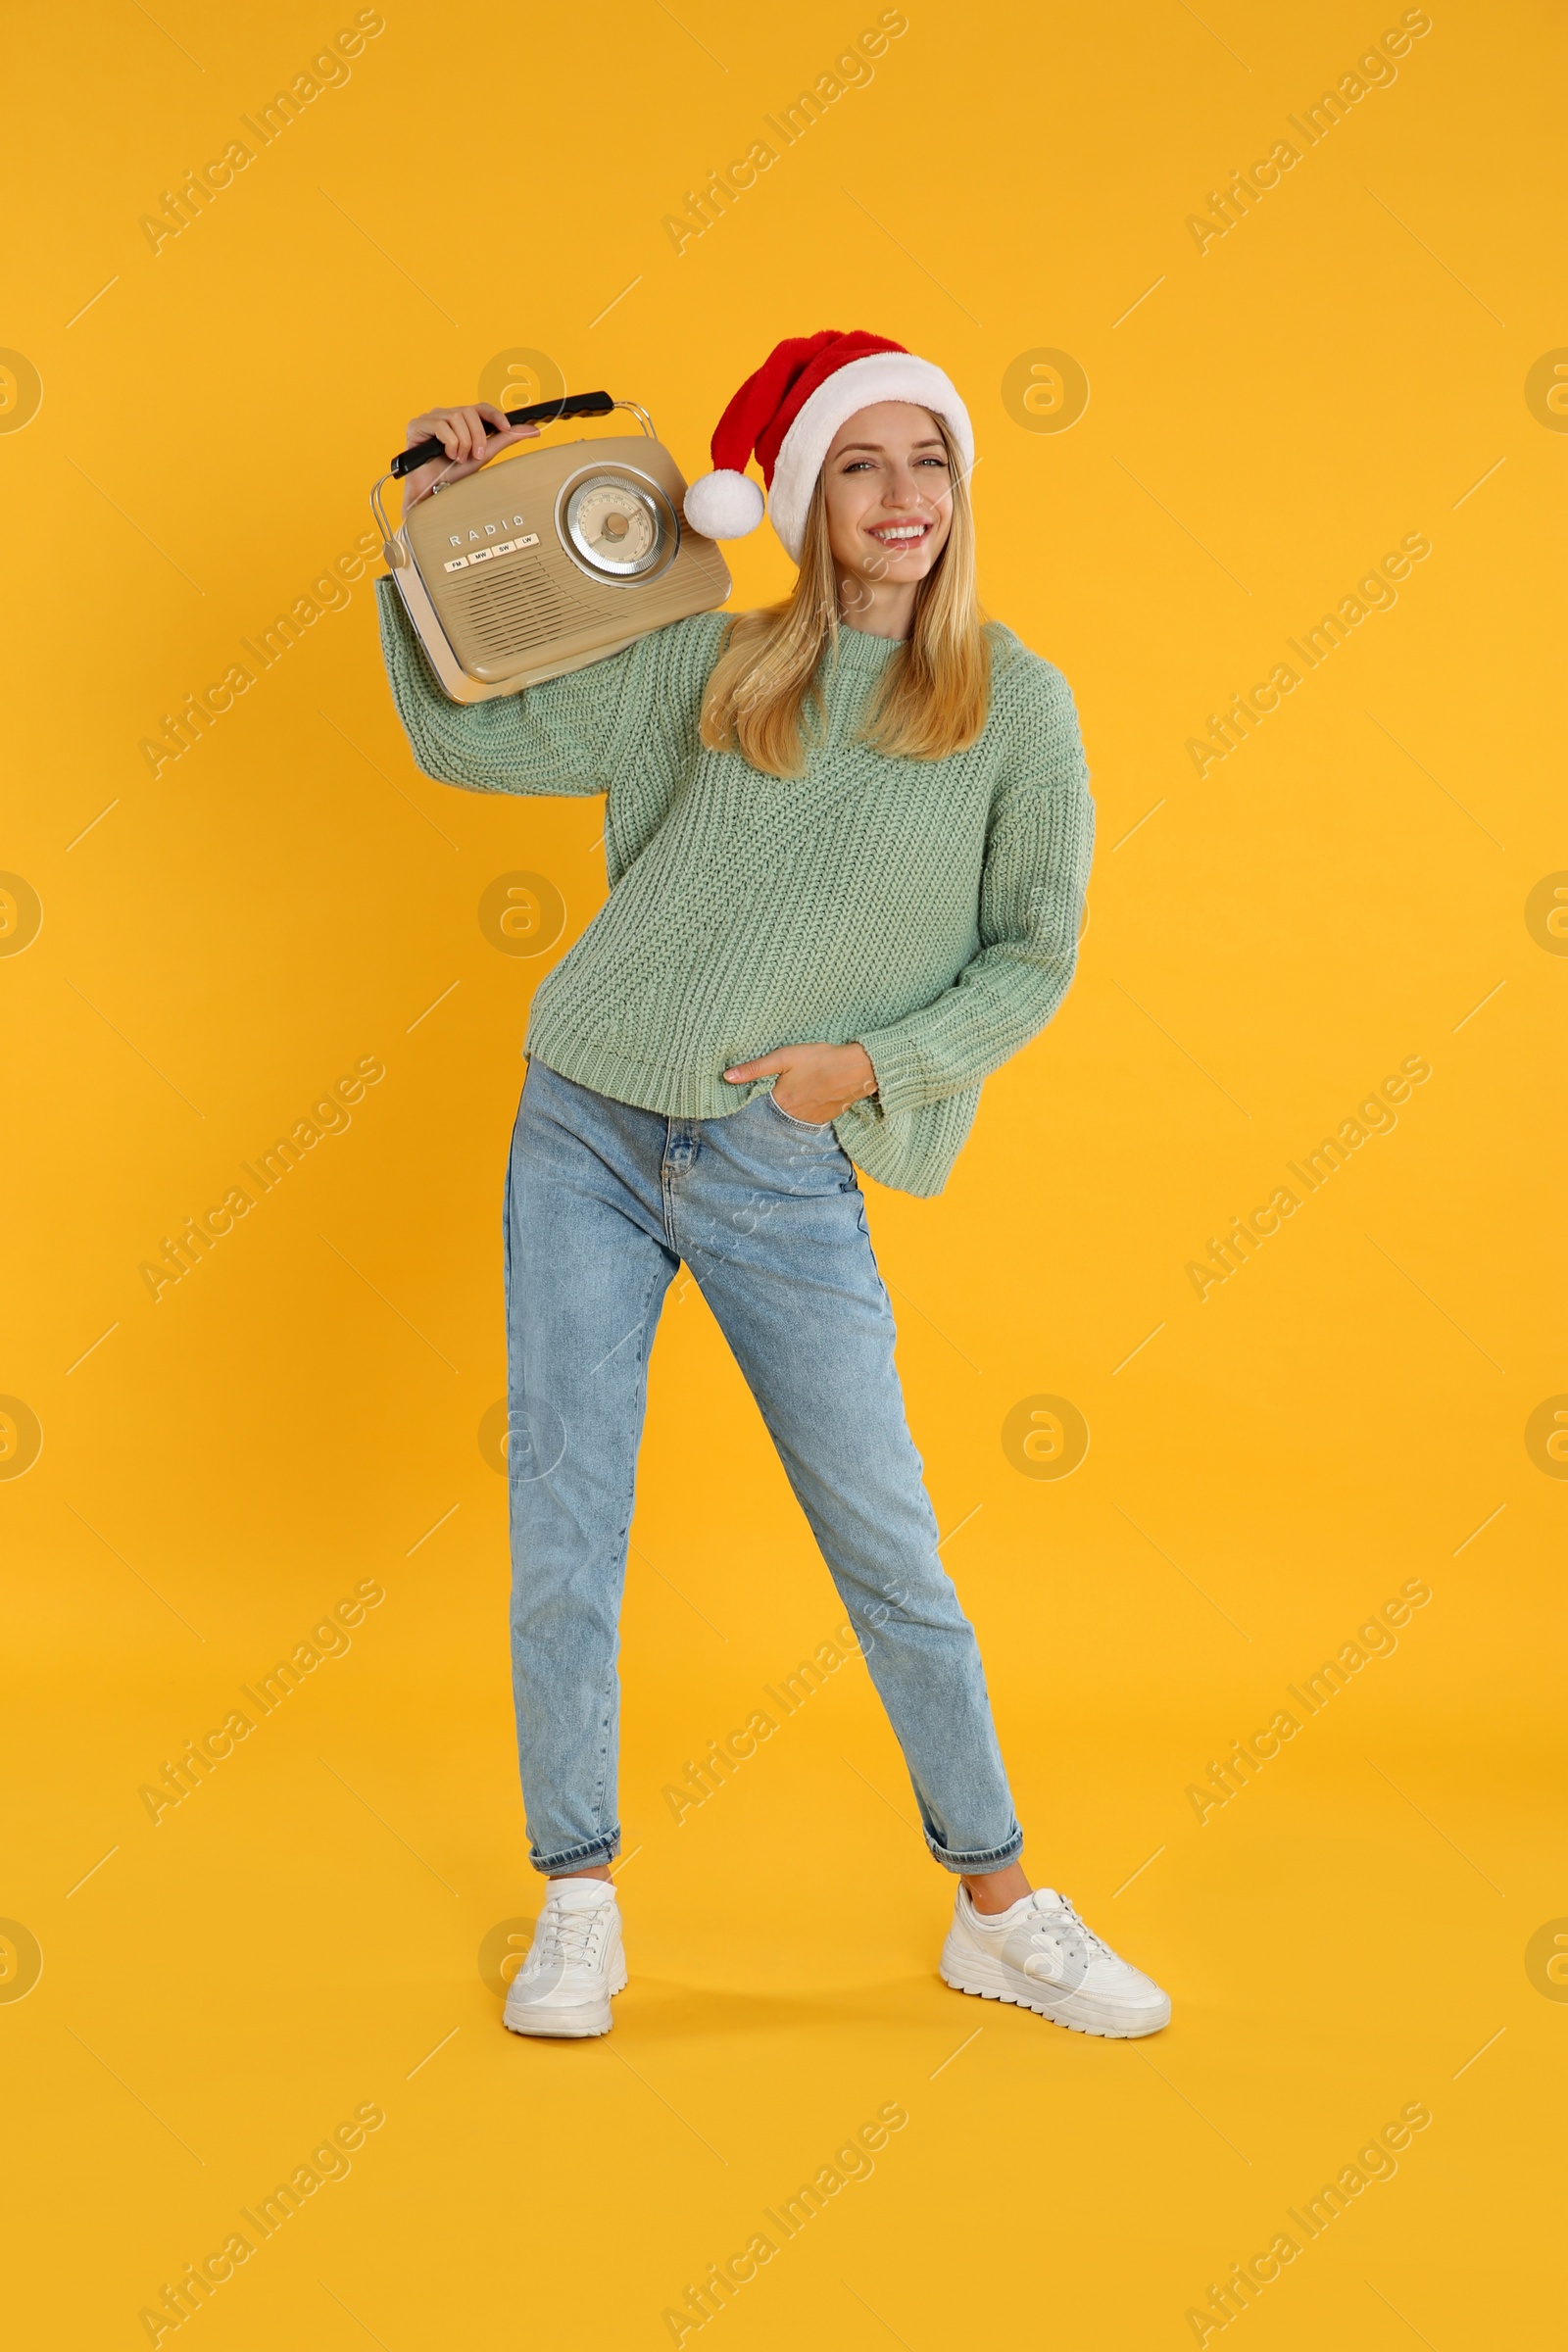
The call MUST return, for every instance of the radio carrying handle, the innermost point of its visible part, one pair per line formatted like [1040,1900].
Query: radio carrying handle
[543,411]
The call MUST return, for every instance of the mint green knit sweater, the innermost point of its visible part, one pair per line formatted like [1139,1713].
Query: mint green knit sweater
[926,908]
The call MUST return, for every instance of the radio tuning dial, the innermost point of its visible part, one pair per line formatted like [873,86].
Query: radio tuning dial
[619,528]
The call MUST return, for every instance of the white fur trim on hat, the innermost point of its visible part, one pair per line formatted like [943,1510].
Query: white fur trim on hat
[723,505]
[880,375]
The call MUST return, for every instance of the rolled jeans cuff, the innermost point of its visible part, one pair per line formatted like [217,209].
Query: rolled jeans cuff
[996,1857]
[593,1855]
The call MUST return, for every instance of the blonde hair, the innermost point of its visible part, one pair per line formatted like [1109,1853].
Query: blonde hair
[762,698]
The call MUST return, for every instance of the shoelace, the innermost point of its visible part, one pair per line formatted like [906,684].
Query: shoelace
[1051,1921]
[566,1935]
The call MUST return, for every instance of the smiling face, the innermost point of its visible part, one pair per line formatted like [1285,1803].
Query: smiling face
[888,494]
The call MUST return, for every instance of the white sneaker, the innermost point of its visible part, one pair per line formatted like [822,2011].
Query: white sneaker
[574,1965]
[1040,1955]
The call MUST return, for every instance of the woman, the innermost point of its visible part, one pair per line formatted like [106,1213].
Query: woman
[847,842]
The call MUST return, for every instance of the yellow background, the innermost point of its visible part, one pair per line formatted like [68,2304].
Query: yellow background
[291,1943]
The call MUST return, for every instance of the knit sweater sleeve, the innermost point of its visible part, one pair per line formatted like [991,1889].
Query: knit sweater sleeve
[564,736]
[1038,850]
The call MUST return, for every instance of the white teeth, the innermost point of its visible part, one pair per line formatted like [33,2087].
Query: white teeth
[913,531]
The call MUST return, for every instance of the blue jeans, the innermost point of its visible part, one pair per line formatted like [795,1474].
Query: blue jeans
[604,1201]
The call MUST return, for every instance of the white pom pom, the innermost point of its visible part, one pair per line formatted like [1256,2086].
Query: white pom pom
[723,505]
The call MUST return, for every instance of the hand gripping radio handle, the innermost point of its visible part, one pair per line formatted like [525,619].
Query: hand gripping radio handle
[543,412]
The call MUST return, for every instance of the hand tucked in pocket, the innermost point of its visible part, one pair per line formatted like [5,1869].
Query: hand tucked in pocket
[813,1083]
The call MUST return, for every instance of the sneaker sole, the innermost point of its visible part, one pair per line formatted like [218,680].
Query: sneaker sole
[970,1972]
[581,2024]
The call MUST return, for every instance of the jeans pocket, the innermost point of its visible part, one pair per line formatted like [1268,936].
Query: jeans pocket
[803,1126]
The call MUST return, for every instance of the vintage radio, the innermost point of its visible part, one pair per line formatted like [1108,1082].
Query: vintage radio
[554,558]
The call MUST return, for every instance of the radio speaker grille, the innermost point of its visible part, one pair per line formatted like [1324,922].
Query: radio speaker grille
[507,612]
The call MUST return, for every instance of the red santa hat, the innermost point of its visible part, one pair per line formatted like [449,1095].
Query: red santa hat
[789,413]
